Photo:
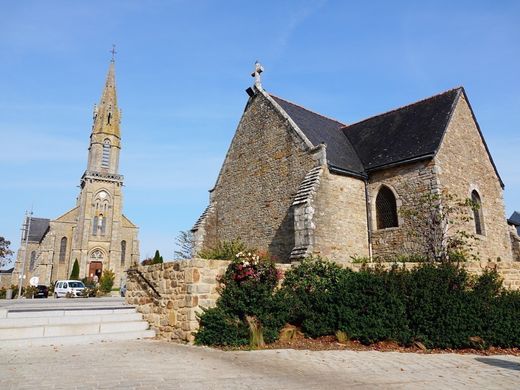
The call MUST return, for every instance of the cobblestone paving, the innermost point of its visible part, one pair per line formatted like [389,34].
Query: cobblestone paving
[158,365]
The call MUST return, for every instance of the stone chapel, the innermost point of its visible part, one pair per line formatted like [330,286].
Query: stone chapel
[95,232]
[296,183]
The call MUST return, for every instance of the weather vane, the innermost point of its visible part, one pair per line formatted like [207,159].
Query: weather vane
[114,52]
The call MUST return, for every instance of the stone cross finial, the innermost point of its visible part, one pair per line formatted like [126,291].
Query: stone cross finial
[256,74]
[114,52]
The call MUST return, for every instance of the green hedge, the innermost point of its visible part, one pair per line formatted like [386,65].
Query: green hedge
[439,305]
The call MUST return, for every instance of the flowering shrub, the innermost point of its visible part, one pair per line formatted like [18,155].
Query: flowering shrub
[247,301]
[253,268]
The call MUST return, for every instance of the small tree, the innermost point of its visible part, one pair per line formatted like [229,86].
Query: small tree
[5,252]
[434,226]
[75,270]
[184,243]
[157,258]
[107,281]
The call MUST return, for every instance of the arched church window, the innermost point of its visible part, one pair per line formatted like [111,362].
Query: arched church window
[123,252]
[105,160]
[386,209]
[63,249]
[33,260]
[109,118]
[477,212]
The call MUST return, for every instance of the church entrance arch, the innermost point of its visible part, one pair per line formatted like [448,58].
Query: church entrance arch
[95,268]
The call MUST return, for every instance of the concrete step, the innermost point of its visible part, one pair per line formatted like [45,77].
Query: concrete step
[76,340]
[52,312]
[63,330]
[17,321]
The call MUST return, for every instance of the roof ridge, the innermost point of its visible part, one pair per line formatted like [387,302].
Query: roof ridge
[402,107]
[306,109]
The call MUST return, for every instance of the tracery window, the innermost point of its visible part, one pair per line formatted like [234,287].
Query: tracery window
[477,212]
[63,249]
[386,209]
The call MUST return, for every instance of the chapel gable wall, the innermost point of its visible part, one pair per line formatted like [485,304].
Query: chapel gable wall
[264,166]
[464,165]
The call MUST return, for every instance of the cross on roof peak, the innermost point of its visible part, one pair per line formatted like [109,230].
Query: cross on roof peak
[256,74]
[114,52]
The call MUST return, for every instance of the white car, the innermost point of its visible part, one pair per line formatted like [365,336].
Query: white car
[72,287]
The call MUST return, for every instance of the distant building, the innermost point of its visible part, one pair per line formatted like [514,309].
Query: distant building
[514,224]
[514,220]
[95,232]
[296,183]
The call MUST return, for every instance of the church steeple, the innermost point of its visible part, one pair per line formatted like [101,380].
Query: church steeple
[105,140]
[107,114]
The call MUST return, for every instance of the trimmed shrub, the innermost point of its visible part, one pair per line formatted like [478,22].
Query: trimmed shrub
[75,270]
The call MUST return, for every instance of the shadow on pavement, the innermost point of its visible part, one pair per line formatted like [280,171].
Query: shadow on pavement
[501,363]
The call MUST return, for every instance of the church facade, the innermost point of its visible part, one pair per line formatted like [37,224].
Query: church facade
[95,232]
[296,183]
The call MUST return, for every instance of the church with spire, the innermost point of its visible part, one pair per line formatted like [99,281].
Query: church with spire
[95,233]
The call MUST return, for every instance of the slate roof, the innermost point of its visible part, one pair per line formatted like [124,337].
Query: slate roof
[318,129]
[514,219]
[404,134]
[39,227]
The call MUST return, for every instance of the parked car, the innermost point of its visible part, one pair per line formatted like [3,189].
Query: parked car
[41,291]
[68,288]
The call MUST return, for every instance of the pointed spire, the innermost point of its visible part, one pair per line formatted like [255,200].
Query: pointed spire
[107,114]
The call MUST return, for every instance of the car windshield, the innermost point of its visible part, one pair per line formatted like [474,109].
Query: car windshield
[76,284]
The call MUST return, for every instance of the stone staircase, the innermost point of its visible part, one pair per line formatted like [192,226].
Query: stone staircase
[69,321]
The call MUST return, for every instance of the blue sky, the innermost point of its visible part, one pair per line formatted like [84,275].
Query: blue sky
[182,68]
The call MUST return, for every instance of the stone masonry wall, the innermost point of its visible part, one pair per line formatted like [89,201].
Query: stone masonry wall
[185,288]
[264,166]
[340,218]
[407,182]
[463,166]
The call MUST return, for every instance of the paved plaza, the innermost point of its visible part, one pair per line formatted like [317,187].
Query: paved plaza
[148,364]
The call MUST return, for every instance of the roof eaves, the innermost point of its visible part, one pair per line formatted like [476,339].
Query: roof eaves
[346,172]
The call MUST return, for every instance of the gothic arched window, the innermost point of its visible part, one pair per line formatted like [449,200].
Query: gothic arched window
[386,209]
[33,260]
[123,252]
[477,212]
[63,249]
[105,160]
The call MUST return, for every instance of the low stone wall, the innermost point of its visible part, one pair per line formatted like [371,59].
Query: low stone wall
[185,287]
[508,270]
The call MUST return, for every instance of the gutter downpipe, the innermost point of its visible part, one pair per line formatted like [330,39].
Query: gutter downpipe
[369,221]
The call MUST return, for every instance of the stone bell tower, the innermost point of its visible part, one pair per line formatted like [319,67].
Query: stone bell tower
[104,237]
